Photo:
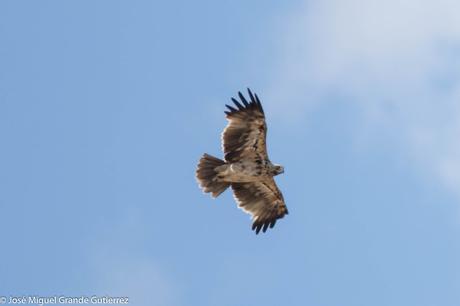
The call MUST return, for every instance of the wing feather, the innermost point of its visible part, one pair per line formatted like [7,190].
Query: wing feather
[246,133]
[263,200]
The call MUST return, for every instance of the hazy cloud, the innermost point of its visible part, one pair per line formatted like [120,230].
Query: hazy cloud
[399,61]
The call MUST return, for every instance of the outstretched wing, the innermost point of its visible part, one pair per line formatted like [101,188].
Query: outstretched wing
[263,200]
[246,131]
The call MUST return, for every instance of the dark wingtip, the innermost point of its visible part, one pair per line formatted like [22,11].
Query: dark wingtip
[257,99]
[232,109]
[238,104]
[251,96]
[258,103]
[253,104]
[243,99]
[256,227]
[265,226]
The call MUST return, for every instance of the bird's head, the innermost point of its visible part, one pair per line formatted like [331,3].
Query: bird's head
[278,169]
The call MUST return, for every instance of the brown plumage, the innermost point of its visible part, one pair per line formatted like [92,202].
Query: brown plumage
[247,168]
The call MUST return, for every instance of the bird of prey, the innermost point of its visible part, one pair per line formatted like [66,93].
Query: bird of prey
[246,168]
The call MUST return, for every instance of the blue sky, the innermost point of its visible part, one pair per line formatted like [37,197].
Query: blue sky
[106,107]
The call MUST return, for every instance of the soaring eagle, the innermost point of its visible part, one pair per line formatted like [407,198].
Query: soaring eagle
[247,168]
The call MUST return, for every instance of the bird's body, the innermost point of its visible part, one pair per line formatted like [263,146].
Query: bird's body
[247,168]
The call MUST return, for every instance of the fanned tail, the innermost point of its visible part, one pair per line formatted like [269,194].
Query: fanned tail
[206,175]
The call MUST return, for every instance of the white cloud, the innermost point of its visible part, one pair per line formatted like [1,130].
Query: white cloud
[399,61]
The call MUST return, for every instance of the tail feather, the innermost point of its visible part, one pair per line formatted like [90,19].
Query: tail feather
[206,175]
